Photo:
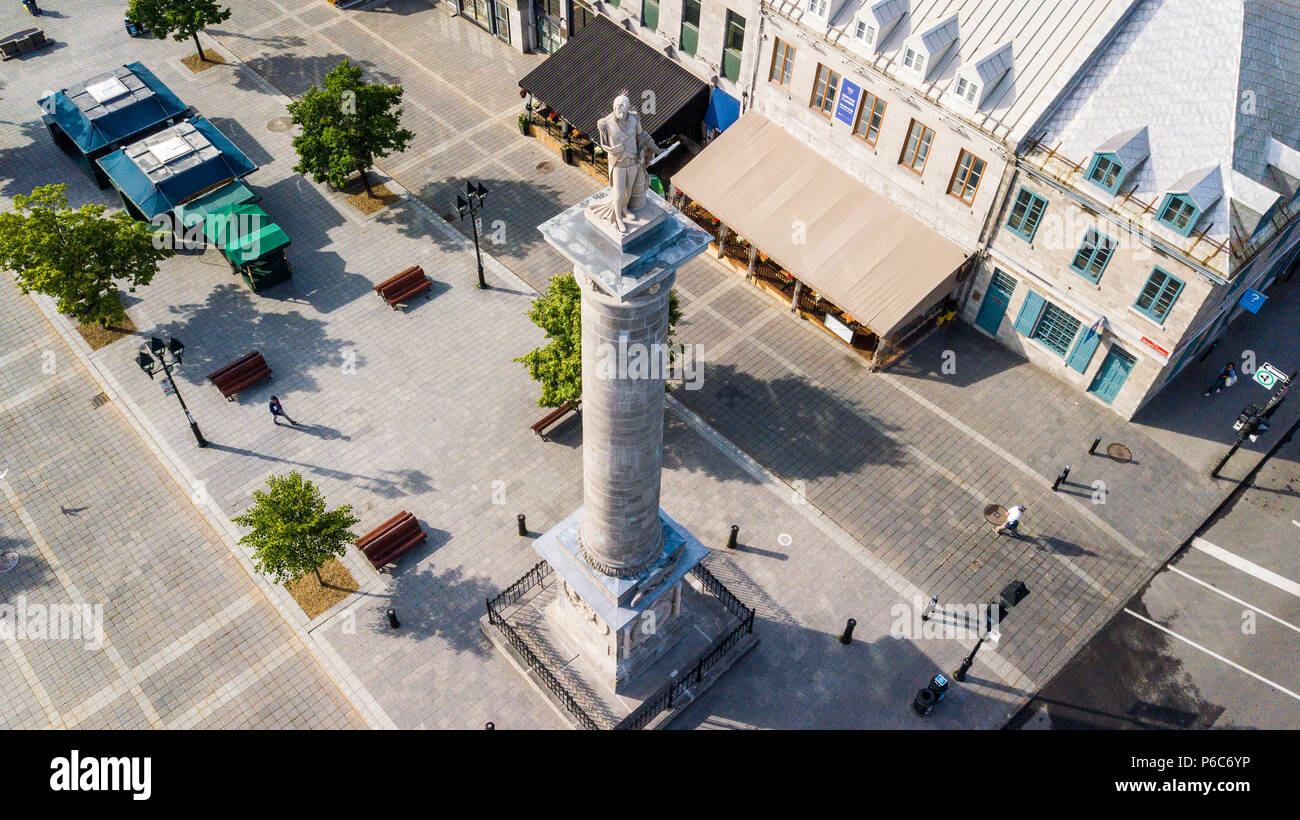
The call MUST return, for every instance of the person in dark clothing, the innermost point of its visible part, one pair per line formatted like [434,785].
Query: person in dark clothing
[277,411]
[1226,378]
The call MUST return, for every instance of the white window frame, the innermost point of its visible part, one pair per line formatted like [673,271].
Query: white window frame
[972,91]
[817,7]
[865,32]
[914,59]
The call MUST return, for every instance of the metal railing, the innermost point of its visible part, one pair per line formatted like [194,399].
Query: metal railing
[507,597]
[670,694]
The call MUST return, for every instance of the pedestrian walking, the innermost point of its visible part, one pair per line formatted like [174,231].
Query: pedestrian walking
[1226,378]
[277,410]
[1012,525]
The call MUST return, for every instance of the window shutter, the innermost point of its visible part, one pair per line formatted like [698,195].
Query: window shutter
[1083,350]
[1029,313]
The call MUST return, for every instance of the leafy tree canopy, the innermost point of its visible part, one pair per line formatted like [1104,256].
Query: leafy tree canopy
[77,256]
[291,531]
[345,124]
[182,19]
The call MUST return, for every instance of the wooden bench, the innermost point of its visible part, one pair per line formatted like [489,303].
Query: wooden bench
[248,369]
[390,539]
[29,39]
[552,417]
[404,286]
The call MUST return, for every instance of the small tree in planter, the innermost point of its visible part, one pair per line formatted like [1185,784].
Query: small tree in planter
[182,19]
[77,257]
[558,365]
[292,532]
[345,125]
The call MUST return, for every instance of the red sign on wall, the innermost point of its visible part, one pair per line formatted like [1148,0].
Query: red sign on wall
[1157,348]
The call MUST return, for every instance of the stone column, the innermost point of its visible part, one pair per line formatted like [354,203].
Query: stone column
[623,425]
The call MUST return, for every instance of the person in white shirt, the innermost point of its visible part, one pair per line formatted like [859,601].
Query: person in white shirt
[1012,525]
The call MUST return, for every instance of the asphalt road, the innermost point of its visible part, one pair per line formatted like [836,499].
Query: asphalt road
[1214,639]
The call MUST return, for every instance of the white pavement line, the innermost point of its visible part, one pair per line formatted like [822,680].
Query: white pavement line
[33,392]
[160,659]
[34,682]
[1120,538]
[1297,523]
[714,354]
[1279,687]
[110,651]
[1010,674]
[353,690]
[1252,569]
[1235,599]
[15,355]
[232,688]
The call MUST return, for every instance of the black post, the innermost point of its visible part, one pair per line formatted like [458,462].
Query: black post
[392,619]
[847,637]
[1093,448]
[489,726]
[1235,446]
[731,539]
[929,608]
[1208,351]
[523,527]
[473,216]
[1061,476]
[969,661]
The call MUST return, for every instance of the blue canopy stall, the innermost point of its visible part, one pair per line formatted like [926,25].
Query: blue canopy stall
[108,111]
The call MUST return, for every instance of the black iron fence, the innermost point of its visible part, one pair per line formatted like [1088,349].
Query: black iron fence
[507,597]
[672,693]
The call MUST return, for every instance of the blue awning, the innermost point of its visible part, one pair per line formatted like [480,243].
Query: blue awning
[174,166]
[724,109]
[113,108]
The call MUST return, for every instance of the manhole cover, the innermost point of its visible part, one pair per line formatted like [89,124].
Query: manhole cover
[279,124]
[8,561]
[546,166]
[99,401]
[1120,453]
[995,514]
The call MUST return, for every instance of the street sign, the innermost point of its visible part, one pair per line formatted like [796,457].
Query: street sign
[167,387]
[1252,300]
[1268,376]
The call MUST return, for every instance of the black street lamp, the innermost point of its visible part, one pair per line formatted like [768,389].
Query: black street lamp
[1012,594]
[168,356]
[475,193]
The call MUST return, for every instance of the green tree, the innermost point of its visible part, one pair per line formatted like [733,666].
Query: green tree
[78,256]
[182,19]
[558,365]
[345,125]
[291,531]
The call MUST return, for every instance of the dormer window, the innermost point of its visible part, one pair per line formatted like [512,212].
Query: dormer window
[1179,213]
[817,7]
[967,90]
[1106,172]
[914,60]
[865,32]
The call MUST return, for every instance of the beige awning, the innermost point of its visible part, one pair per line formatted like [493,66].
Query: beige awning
[880,265]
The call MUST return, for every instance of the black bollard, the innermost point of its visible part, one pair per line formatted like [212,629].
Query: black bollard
[923,703]
[939,686]
[847,637]
[731,539]
[929,608]
[1064,474]
[392,619]
[523,527]
[489,726]
[1093,448]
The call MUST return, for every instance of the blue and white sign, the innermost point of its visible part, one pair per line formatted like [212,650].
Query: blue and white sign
[848,104]
[1252,300]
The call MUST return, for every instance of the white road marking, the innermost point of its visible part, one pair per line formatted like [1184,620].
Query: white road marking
[1252,569]
[1297,523]
[1279,687]
[1235,599]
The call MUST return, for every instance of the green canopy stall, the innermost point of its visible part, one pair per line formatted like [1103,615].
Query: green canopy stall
[253,244]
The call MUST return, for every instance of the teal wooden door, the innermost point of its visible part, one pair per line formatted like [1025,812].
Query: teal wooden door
[1111,375]
[994,306]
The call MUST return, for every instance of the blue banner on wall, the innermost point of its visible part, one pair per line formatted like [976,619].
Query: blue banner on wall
[848,104]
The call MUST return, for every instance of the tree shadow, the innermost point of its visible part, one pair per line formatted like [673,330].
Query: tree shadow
[385,487]
[434,603]
[29,158]
[789,425]
[293,75]
[31,573]
[291,343]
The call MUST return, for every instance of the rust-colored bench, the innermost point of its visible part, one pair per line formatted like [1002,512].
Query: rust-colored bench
[248,369]
[403,287]
[552,417]
[391,538]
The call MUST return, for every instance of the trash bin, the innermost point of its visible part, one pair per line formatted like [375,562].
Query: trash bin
[923,703]
[939,686]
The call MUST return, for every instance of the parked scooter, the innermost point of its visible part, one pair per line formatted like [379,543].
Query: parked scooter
[34,9]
